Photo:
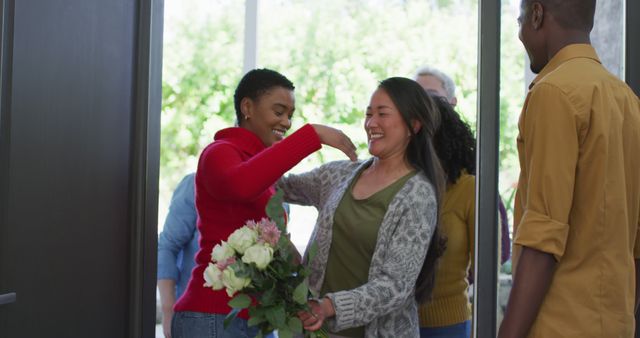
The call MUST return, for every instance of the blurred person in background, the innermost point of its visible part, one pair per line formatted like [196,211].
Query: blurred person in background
[440,84]
[177,247]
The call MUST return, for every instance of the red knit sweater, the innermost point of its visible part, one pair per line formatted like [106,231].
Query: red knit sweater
[233,184]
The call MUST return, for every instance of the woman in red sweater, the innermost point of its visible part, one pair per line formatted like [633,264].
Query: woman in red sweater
[233,183]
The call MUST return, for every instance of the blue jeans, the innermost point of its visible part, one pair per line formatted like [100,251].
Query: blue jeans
[460,330]
[206,325]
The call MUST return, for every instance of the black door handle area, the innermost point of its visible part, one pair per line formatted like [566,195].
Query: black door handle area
[7,298]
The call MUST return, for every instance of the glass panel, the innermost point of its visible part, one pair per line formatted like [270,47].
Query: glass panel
[608,37]
[512,85]
[202,63]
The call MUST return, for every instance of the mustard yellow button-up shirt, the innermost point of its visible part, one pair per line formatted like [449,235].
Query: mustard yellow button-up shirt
[579,194]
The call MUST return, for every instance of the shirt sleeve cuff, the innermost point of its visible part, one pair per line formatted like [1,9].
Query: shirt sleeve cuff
[305,140]
[344,305]
[538,231]
[167,268]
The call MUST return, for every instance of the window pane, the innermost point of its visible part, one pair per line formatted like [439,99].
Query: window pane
[202,64]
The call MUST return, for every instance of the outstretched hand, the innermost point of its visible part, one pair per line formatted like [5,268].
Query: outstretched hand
[337,139]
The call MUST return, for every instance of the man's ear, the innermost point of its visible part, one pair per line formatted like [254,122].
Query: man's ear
[537,15]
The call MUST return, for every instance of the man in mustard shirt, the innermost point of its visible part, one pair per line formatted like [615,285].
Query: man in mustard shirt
[578,200]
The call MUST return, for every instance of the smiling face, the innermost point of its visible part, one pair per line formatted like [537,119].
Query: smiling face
[387,133]
[269,116]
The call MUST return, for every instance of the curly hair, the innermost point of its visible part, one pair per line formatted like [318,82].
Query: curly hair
[454,142]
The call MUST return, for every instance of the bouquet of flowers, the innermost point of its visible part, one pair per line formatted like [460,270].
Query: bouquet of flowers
[259,267]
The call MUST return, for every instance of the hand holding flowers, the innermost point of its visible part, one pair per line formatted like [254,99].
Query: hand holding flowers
[259,267]
[319,311]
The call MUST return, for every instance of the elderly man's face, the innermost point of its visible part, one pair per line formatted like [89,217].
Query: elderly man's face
[434,86]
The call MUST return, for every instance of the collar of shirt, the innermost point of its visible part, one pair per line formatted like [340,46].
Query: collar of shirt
[565,54]
[243,138]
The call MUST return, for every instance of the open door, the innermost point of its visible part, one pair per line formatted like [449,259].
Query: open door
[79,147]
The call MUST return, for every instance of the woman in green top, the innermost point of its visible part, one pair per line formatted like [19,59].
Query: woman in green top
[377,227]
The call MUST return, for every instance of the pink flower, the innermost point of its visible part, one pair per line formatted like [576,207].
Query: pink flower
[269,232]
[224,263]
[251,224]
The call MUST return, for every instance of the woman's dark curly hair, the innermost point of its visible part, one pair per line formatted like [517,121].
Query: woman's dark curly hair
[454,142]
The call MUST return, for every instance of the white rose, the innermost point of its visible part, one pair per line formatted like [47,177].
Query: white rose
[221,252]
[242,239]
[233,283]
[261,255]
[213,277]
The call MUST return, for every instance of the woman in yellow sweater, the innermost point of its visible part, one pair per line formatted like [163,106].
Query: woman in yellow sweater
[448,314]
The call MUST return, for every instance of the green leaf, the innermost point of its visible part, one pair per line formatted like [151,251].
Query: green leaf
[300,293]
[295,325]
[240,301]
[241,270]
[253,321]
[314,294]
[312,252]
[322,333]
[305,272]
[257,311]
[277,317]
[275,211]
[269,297]
[230,317]
[285,333]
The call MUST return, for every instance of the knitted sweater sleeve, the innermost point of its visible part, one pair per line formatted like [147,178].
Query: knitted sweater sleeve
[400,265]
[309,188]
[230,177]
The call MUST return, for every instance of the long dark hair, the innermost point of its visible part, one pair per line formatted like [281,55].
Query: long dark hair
[454,142]
[415,105]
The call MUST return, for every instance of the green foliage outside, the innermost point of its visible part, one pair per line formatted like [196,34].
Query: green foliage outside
[335,52]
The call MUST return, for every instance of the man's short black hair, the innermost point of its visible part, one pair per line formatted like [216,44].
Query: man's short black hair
[572,14]
[255,83]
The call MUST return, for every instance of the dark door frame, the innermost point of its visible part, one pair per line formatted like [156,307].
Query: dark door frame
[632,45]
[145,155]
[488,137]
[6,62]
[632,64]
[145,170]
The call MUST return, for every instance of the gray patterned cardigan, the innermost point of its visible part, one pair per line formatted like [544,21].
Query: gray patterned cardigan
[385,305]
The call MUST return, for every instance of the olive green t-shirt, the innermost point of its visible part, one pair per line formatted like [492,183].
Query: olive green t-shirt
[355,231]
